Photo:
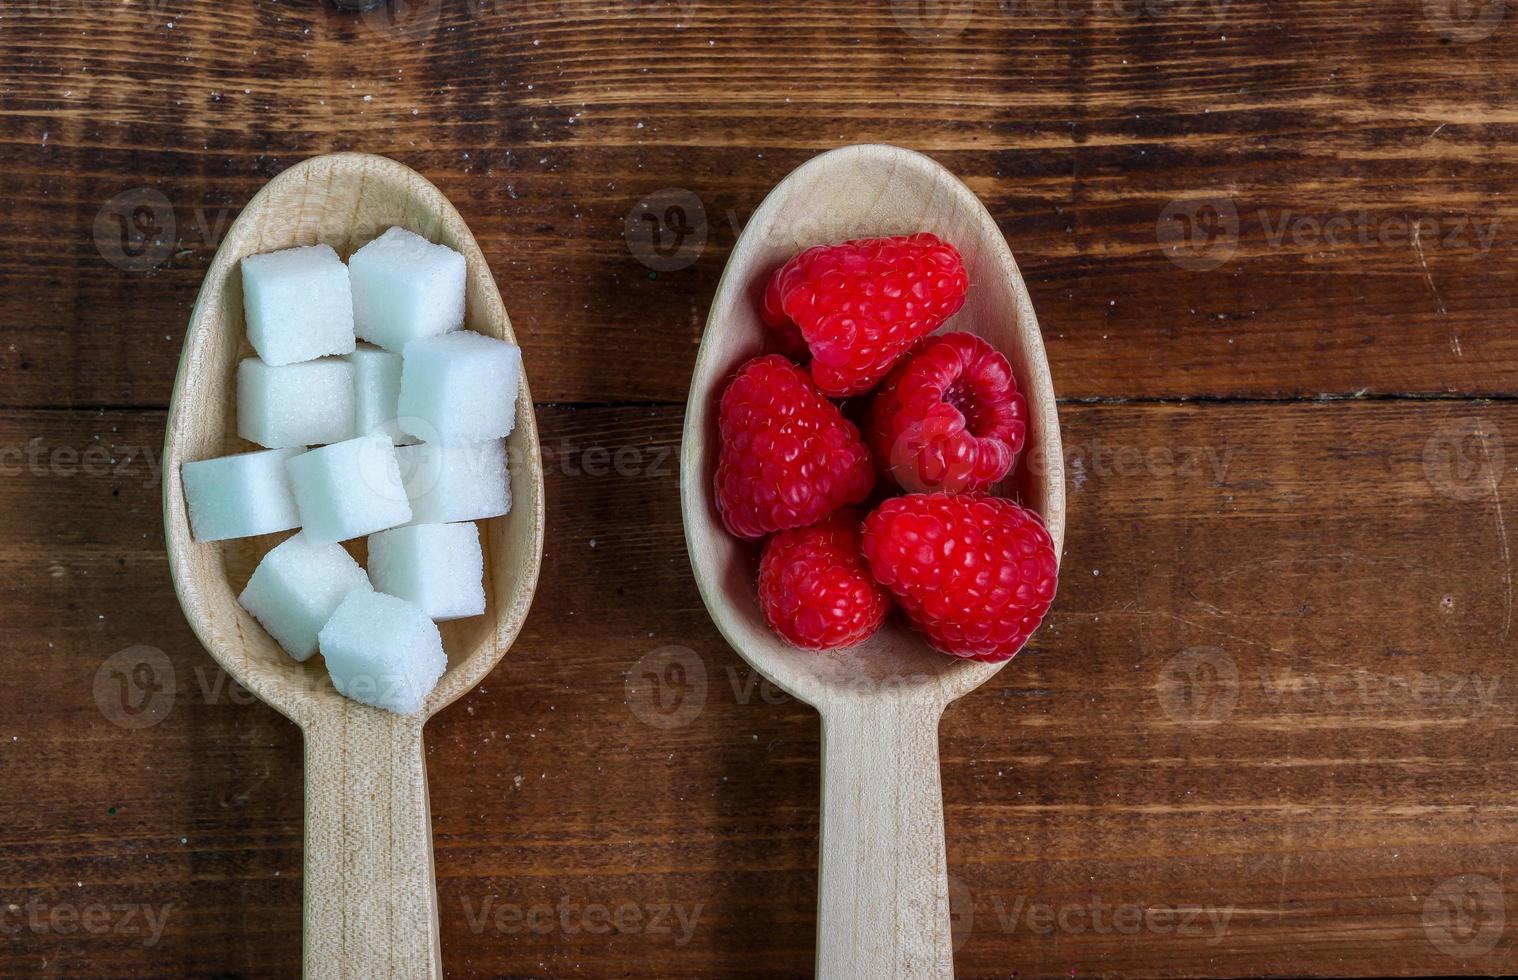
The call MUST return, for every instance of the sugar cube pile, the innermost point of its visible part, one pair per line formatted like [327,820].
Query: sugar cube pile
[401,440]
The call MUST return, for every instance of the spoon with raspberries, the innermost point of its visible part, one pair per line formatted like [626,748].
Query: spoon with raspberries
[874,502]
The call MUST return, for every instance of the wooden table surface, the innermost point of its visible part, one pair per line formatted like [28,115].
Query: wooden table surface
[1268,727]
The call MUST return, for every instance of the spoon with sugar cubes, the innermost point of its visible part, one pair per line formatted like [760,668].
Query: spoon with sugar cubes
[353,508]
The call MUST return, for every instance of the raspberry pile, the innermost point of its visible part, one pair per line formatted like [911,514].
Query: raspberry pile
[944,424]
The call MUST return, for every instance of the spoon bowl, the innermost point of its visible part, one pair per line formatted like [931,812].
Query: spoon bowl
[883,891]
[370,898]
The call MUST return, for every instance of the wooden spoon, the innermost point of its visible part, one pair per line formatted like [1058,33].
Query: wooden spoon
[370,897]
[883,891]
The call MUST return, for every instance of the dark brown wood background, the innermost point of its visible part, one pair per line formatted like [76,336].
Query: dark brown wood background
[1268,727]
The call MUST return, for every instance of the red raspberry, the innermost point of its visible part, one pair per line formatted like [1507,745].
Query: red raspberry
[976,574]
[788,457]
[949,417]
[787,335]
[814,589]
[861,305]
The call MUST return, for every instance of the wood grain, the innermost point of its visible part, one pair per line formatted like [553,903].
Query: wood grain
[1282,701]
[547,122]
[1273,736]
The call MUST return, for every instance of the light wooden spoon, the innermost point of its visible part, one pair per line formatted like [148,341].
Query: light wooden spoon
[370,897]
[883,890]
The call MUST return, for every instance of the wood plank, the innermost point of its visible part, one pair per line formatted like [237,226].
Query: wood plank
[1279,709]
[1085,127]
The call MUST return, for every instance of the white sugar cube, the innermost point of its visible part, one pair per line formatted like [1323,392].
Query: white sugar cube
[236,496]
[383,651]
[349,489]
[296,588]
[298,304]
[290,405]
[446,484]
[460,387]
[440,567]
[405,287]
[376,389]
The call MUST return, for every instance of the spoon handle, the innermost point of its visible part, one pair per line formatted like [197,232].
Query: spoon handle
[884,891]
[371,896]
